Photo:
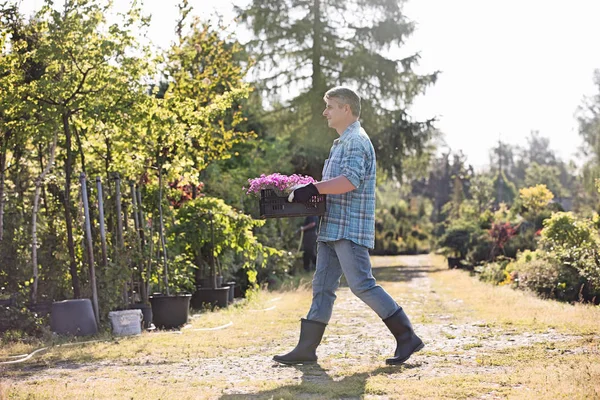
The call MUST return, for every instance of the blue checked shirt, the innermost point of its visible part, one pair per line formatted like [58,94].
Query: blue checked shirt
[351,215]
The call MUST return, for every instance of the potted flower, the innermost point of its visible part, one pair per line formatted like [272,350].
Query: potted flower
[273,190]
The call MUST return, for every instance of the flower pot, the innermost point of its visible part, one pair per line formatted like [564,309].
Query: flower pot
[146,313]
[237,292]
[203,282]
[207,282]
[454,262]
[231,285]
[126,322]
[73,317]
[170,311]
[212,298]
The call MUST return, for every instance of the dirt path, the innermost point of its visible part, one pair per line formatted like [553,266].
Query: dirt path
[463,353]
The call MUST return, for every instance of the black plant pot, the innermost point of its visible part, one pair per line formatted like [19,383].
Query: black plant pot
[454,262]
[146,313]
[73,317]
[231,285]
[203,282]
[170,311]
[218,297]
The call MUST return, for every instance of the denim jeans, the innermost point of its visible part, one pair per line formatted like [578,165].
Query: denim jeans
[351,259]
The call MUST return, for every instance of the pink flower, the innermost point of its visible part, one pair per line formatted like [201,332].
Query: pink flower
[281,184]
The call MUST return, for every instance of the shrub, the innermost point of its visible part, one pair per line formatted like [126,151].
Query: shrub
[460,237]
[573,241]
[545,275]
[494,272]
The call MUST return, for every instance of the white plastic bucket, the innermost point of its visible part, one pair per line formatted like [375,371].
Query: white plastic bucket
[126,322]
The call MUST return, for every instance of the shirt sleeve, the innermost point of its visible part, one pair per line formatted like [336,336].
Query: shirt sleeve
[354,162]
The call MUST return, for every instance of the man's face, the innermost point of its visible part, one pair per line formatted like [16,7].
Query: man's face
[335,112]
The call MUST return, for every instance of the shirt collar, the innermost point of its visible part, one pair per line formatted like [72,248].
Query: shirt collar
[351,129]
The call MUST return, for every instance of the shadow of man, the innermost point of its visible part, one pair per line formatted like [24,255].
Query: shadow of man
[316,383]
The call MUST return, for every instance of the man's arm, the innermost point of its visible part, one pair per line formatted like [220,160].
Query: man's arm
[337,185]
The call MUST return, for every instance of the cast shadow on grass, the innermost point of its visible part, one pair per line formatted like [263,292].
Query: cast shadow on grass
[316,383]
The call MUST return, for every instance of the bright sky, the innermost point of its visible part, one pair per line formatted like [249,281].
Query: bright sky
[508,67]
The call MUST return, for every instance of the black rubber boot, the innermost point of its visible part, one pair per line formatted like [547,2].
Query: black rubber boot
[311,333]
[407,342]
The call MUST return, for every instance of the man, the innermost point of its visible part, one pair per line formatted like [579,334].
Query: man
[309,241]
[347,232]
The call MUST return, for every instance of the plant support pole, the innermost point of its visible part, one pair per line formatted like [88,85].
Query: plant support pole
[90,248]
[101,217]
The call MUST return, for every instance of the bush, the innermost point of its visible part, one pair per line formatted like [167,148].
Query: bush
[460,237]
[550,279]
[545,275]
[482,250]
[573,241]
[494,273]
[16,323]
[525,240]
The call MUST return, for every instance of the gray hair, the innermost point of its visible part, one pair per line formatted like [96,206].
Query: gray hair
[346,96]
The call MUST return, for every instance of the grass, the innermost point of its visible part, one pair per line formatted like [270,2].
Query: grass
[467,326]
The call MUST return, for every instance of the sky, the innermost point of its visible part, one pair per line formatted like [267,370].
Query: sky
[507,67]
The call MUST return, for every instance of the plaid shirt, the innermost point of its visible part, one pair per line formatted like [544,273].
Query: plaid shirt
[351,215]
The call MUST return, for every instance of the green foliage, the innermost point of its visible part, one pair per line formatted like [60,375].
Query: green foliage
[193,234]
[460,237]
[339,53]
[20,321]
[505,189]
[546,175]
[401,226]
[494,272]
[573,241]
[534,199]
[543,274]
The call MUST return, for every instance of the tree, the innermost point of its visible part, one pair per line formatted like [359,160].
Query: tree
[535,198]
[87,70]
[309,46]
[588,116]
[546,175]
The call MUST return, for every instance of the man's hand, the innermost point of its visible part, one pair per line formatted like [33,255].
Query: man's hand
[303,193]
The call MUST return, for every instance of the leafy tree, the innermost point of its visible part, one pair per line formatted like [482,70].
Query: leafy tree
[311,46]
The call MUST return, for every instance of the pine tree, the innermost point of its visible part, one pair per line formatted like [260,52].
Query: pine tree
[309,46]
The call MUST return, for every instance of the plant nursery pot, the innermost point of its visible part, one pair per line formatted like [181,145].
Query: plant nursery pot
[146,313]
[203,282]
[126,322]
[218,297]
[170,311]
[73,317]
[237,292]
[231,285]
[454,262]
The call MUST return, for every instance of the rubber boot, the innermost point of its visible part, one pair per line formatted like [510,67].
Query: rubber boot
[311,333]
[407,341]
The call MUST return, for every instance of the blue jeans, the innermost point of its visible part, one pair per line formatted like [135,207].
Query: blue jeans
[351,259]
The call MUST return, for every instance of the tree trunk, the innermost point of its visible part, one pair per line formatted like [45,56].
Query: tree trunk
[162,231]
[317,73]
[67,207]
[36,200]
[2,178]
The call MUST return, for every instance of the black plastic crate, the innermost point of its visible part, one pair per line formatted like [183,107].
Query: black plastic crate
[274,206]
